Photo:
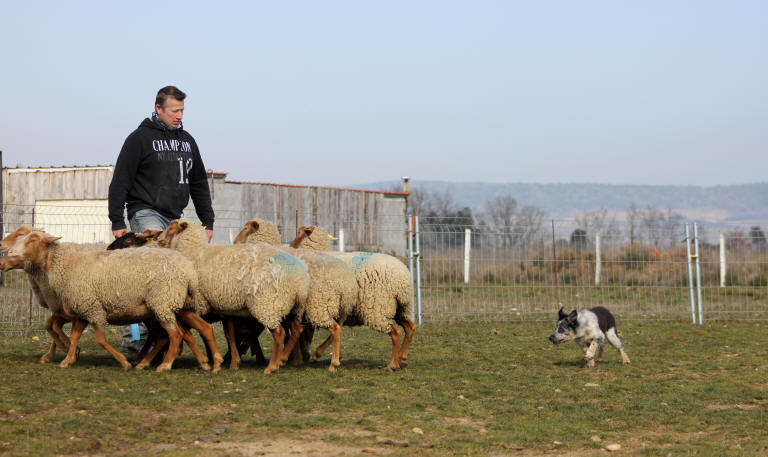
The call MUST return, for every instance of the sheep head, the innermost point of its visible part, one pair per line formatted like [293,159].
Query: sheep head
[14,236]
[135,240]
[33,247]
[257,230]
[312,237]
[182,229]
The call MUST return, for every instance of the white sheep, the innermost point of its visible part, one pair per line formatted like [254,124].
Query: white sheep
[256,281]
[385,291]
[44,295]
[116,287]
[332,290]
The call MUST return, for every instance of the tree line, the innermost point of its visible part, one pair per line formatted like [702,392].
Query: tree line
[503,223]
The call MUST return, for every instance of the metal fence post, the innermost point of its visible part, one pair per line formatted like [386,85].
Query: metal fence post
[418,270]
[410,260]
[690,271]
[698,270]
[597,259]
[467,247]
[722,260]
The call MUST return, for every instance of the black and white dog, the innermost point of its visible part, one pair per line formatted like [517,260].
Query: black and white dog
[589,329]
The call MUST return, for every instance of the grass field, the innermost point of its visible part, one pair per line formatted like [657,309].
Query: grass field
[486,389]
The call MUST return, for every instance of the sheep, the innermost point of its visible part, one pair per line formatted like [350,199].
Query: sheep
[242,326]
[256,281]
[118,287]
[385,291]
[148,239]
[44,295]
[332,290]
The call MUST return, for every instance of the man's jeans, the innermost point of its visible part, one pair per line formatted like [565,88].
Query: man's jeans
[143,219]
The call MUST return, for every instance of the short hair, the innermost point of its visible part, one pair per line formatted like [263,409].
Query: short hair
[169,91]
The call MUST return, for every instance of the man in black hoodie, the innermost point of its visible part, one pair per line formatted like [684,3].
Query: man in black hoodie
[158,169]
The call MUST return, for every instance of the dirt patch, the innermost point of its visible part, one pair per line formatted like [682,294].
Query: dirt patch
[739,406]
[476,424]
[280,447]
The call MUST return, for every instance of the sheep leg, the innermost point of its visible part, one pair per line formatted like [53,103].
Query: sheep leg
[205,329]
[335,334]
[152,332]
[296,329]
[78,325]
[409,328]
[320,349]
[101,338]
[48,356]
[278,335]
[174,346]
[255,346]
[306,341]
[160,342]
[394,333]
[202,359]
[229,332]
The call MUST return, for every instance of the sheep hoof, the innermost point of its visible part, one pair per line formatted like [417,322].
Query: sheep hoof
[163,367]
[269,370]
[205,367]
[216,368]
[314,358]
[44,359]
[64,365]
[392,367]
[141,366]
[403,364]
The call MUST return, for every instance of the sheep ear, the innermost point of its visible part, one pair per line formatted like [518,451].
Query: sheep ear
[254,226]
[308,230]
[183,225]
[50,239]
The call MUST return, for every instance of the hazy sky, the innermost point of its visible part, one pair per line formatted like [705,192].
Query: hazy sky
[338,93]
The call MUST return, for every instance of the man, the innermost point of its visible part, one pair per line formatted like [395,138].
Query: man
[158,169]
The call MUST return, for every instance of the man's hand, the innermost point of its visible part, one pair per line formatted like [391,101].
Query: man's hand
[119,233]
[209,232]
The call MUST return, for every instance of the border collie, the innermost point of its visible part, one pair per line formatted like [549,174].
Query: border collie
[589,329]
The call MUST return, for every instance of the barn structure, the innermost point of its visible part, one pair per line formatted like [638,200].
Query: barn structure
[72,202]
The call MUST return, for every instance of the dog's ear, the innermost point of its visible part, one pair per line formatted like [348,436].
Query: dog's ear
[561,315]
[572,317]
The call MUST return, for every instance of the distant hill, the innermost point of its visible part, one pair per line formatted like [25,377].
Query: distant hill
[745,204]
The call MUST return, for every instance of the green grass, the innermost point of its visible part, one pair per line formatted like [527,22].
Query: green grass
[471,388]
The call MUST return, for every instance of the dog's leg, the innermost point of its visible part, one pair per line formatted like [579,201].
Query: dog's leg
[589,355]
[613,338]
[600,346]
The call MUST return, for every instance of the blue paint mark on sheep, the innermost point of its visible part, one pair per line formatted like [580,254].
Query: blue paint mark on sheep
[290,262]
[358,262]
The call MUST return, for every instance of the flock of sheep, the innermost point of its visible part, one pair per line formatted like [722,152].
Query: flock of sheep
[174,280]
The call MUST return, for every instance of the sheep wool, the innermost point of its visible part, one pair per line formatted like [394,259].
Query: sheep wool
[385,290]
[254,280]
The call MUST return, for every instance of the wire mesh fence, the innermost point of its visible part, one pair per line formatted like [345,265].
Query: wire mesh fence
[527,272]
[478,270]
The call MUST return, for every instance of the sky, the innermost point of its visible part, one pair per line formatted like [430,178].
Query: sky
[338,93]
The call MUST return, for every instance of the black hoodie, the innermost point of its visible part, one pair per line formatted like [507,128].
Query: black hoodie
[159,168]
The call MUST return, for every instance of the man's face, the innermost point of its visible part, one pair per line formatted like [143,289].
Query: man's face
[172,113]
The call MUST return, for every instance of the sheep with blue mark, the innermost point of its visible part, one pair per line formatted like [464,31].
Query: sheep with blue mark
[332,289]
[250,280]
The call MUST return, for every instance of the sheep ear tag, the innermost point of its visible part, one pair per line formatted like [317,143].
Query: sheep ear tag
[331,237]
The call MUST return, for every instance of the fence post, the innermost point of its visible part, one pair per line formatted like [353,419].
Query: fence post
[698,270]
[597,259]
[341,240]
[722,260]
[418,270]
[690,271]
[410,260]
[467,246]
